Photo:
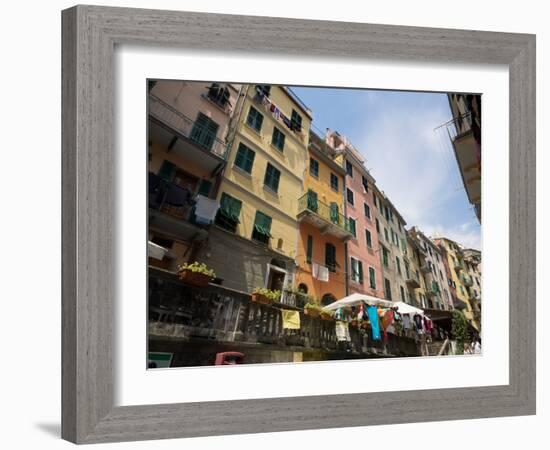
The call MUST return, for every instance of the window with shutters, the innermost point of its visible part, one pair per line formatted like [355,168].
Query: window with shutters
[262,228]
[330,257]
[366,207]
[349,169]
[228,213]
[334,182]
[356,270]
[350,197]
[352,225]
[387,289]
[296,121]
[219,95]
[368,238]
[314,167]
[278,139]
[309,255]
[372,278]
[255,119]
[245,158]
[204,131]
[272,177]
[385,257]
[365,184]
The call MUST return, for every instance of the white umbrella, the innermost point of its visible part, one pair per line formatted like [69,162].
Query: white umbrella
[357,299]
[405,308]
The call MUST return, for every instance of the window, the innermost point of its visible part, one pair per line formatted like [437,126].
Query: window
[372,278]
[264,89]
[402,293]
[330,257]
[398,264]
[334,182]
[254,119]
[278,139]
[204,187]
[352,226]
[385,257]
[262,228]
[386,213]
[167,171]
[204,131]
[387,289]
[272,176]
[368,238]
[377,226]
[314,167]
[349,195]
[349,169]
[367,210]
[407,270]
[227,216]
[365,184]
[386,235]
[309,256]
[375,200]
[245,158]
[219,95]
[295,121]
[356,271]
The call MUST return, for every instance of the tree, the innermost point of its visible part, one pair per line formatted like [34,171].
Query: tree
[459,329]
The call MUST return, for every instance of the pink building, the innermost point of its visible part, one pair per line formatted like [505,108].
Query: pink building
[364,274]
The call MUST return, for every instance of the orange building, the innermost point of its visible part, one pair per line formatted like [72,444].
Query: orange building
[323,229]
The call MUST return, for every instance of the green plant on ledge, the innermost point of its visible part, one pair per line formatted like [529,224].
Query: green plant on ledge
[273,296]
[197,267]
[459,329]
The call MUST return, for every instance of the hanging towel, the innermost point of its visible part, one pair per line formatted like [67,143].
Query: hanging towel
[406,321]
[291,319]
[322,273]
[315,270]
[206,209]
[372,312]
[342,331]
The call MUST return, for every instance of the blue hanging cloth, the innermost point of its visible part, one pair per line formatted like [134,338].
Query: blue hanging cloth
[372,312]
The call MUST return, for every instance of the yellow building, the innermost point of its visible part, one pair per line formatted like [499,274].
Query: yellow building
[461,281]
[255,241]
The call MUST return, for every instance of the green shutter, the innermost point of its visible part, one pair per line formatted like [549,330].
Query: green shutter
[167,170]
[244,158]
[372,278]
[204,187]
[230,207]
[334,213]
[360,264]
[309,248]
[262,224]
[312,203]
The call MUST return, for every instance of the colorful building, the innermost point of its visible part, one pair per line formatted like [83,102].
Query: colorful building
[255,240]
[473,269]
[187,130]
[414,277]
[465,134]
[460,280]
[433,266]
[362,262]
[323,229]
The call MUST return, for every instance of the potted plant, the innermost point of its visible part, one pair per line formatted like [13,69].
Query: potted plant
[265,296]
[196,274]
[312,309]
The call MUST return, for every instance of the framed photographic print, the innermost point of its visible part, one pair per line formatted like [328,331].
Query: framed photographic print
[268,230]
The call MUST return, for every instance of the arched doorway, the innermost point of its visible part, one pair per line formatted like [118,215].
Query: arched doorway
[302,288]
[327,299]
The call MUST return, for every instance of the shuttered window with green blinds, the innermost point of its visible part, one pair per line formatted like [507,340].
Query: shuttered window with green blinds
[356,270]
[262,228]
[334,182]
[334,213]
[229,212]
[352,226]
[272,177]
[314,167]
[372,278]
[204,131]
[245,158]
[167,170]
[309,255]
[312,203]
[255,119]
[330,257]
[278,139]
[368,238]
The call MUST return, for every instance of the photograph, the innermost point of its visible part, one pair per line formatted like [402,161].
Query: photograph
[291,224]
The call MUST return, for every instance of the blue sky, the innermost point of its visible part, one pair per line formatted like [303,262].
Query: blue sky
[413,164]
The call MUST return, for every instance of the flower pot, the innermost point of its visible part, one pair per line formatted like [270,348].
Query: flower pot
[259,298]
[311,312]
[194,278]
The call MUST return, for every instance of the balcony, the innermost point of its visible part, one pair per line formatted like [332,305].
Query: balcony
[196,323]
[466,280]
[322,216]
[187,138]
[458,266]
[412,282]
[171,210]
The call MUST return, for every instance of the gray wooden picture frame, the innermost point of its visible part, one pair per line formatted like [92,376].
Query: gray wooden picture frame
[90,34]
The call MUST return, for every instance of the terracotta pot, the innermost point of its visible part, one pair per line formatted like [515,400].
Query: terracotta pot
[259,298]
[194,278]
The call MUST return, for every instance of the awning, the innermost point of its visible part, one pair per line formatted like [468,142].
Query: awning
[405,308]
[357,299]
[262,230]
